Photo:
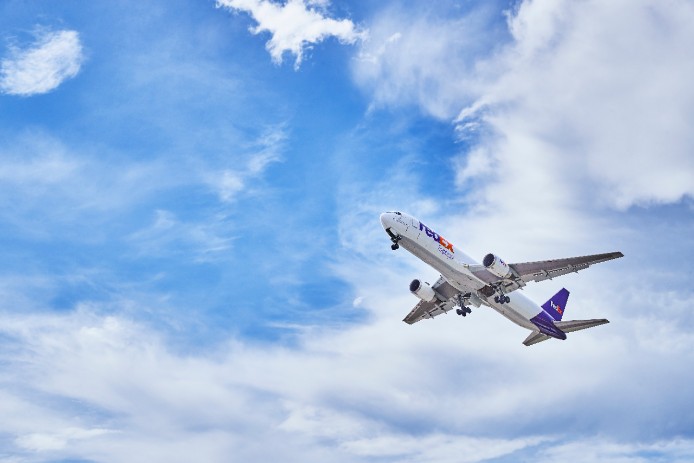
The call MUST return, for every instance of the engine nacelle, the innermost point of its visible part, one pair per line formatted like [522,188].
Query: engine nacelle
[422,290]
[497,266]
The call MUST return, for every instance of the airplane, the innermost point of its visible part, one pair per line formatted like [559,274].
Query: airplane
[464,282]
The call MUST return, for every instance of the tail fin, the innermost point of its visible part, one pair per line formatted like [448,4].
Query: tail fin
[557,304]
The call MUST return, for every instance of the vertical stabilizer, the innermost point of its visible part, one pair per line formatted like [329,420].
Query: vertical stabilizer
[557,304]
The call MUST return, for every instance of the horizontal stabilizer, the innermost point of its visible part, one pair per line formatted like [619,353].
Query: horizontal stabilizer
[577,325]
[534,338]
[566,327]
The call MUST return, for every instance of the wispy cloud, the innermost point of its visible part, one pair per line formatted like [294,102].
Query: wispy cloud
[267,149]
[295,25]
[419,58]
[42,66]
[169,235]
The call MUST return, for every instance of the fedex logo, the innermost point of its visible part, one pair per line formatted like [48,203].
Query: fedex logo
[556,307]
[436,237]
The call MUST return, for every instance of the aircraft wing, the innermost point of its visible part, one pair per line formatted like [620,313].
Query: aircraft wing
[541,270]
[425,309]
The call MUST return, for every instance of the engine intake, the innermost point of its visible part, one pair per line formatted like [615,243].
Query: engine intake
[496,265]
[422,290]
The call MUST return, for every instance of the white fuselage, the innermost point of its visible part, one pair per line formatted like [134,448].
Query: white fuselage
[453,265]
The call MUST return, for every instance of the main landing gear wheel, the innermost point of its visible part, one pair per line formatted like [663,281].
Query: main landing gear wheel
[395,246]
[502,299]
[464,311]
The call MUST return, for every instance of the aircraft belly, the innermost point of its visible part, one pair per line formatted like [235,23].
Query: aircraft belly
[457,278]
[520,310]
[513,315]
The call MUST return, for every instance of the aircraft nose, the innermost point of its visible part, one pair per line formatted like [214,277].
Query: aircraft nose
[384,219]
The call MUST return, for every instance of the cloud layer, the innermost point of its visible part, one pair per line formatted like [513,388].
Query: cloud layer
[166,282]
[53,58]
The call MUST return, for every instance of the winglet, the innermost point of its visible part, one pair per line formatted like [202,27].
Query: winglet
[556,306]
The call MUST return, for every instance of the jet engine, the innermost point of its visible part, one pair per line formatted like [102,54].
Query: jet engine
[496,265]
[422,290]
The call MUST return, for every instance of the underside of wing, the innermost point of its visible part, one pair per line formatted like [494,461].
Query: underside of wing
[524,272]
[444,302]
[427,310]
[547,269]
[507,285]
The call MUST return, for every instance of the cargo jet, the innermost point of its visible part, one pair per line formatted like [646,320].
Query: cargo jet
[464,283]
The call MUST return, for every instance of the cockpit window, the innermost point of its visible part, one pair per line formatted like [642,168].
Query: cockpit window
[394,212]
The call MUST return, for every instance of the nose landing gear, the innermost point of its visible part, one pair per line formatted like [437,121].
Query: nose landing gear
[394,238]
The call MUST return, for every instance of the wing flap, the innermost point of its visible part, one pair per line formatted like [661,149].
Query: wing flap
[525,272]
[426,309]
[547,269]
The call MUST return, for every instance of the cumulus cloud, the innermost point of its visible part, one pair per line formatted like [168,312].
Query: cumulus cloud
[599,92]
[41,67]
[295,25]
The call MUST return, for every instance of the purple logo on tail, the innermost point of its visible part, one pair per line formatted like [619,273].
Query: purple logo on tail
[556,307]
[557,304]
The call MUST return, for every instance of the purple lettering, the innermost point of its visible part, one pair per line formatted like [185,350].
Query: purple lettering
[436,237]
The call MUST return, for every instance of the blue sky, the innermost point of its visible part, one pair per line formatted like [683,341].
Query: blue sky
[194,267]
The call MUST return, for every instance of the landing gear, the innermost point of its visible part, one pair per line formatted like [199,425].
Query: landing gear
[394,238]
[463,310]
[502,299]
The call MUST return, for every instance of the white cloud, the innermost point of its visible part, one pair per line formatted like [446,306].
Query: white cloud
[106,388]
[598,95]
[168,235]
[57,440]
[53,58]
[439,448]
[266,150]
[418,58]
[678,450]
[295,25]
[73,189]
[591,95]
